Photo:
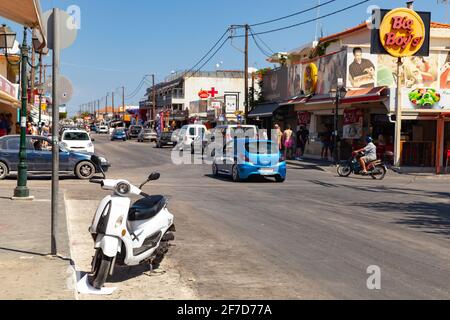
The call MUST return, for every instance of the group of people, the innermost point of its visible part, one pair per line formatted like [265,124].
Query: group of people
[35,130]
[6,124]
[293,144]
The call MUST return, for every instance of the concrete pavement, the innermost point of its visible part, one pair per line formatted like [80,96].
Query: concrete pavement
[26,270]
[312,237]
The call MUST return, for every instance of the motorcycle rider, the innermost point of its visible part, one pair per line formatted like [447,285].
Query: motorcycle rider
[370,154]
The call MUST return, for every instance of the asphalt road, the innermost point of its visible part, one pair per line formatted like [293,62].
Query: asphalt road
[313,236]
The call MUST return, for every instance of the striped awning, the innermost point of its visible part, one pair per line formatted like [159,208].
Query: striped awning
[24,12]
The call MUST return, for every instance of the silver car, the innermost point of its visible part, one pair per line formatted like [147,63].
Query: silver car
[147,135]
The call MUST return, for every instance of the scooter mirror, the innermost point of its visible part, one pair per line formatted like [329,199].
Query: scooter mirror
[154,176]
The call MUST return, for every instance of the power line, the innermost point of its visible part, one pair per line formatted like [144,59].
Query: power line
[292,15]
[263,51]
[308,21]
[210,50]
[210,58]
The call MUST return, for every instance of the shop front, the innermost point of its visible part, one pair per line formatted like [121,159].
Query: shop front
[362,112]
[9,106]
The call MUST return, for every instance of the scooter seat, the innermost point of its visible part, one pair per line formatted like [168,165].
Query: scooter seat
[146,208]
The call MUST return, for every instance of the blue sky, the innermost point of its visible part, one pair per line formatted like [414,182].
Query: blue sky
[121,41]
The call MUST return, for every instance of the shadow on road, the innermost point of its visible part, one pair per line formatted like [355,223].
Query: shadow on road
[384,189]
[252,179]
[429,217]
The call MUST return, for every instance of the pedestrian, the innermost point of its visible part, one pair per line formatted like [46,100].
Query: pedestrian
[325,138]
[9,124]
[302,140]
[29,128]
[3,125]
[279,136]
[288,142]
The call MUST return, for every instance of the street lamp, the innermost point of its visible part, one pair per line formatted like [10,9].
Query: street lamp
[337,95]
[7,38]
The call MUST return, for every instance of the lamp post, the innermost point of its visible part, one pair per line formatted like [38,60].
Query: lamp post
[7,38]
[337,94]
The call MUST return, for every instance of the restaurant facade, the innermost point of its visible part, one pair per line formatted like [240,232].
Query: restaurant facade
[311,73]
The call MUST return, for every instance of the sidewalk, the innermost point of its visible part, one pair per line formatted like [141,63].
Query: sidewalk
[328,166]
[26,270]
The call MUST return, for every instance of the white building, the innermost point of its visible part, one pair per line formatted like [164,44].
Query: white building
[203,95]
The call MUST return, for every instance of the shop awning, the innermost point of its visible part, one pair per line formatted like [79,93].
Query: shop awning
[365,95]
[264,110]
[24,12]
[295,100]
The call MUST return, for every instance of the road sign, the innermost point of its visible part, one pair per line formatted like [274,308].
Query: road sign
[67,35]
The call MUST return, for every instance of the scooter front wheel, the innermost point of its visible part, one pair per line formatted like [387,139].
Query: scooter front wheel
[344,170]
[101,269]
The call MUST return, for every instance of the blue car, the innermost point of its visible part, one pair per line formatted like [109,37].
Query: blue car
[119,134]
[243,158]
[39,158]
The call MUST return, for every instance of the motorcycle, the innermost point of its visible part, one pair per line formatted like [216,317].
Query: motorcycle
[125,234]
[376,169]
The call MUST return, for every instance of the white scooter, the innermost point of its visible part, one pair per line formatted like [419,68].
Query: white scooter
[126,234]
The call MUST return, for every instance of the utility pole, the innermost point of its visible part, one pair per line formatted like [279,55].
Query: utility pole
[33,75]
[55,129]
[106,106]
[123,102]
[247,28]
[41,89]
[154,98]
[113,111]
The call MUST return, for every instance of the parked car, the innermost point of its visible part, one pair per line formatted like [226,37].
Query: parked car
[165,139]
[103,130]
[232,131]
[243,158]
[77,140]
[134,132]
[147,135]
[226,133]
[39,158]
[188,134]
[119,134]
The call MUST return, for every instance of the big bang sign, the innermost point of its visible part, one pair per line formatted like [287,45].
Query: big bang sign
[402,33]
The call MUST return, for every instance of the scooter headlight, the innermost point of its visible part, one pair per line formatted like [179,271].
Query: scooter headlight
[123,188]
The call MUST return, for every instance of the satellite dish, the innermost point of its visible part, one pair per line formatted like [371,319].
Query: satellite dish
[65,89]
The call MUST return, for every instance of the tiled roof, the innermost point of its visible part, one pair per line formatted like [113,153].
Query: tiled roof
[434,25]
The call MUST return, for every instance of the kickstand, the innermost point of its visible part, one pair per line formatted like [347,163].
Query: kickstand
[153,272]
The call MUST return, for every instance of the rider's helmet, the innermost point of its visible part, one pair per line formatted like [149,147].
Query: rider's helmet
[369,139]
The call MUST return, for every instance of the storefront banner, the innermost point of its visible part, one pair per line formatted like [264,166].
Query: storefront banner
[353,124]
[304,118]
[275,84]
[231,103]
[362,68]
[9,88]
[425,100]
[331,68]
[295,79]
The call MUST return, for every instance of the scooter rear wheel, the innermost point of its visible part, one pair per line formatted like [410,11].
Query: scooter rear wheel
[379,172]
[101,270]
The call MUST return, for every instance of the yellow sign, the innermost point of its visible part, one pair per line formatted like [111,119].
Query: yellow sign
[402,32]
[310,78]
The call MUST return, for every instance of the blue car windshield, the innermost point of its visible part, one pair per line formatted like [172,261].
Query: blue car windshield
[261,147]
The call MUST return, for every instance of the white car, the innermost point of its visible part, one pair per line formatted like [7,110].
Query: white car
[103,130]
[77,140]
[188,134]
